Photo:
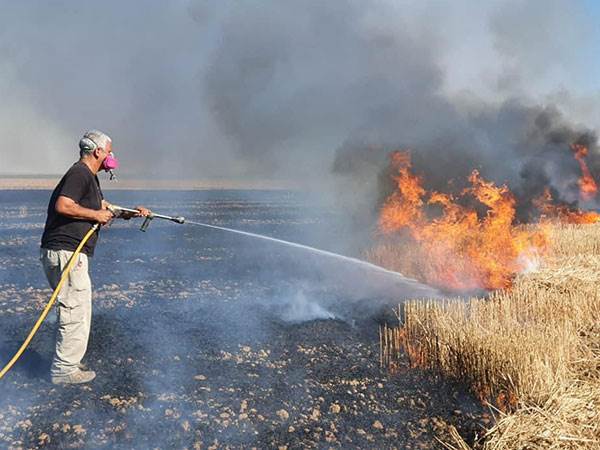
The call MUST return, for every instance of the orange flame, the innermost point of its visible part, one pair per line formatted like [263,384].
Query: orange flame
[563,213]
[458,249]
[587,185]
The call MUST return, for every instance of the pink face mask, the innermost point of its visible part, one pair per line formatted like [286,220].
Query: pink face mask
[110,163]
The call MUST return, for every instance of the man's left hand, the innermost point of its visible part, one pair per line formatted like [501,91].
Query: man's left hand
[142,212]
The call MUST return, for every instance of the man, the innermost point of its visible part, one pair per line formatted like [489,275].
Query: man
[75,205]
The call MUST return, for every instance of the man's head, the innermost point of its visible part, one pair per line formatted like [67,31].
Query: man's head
[95,149]
[95,143]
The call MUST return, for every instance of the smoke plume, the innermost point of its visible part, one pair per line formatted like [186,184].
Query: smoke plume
[281,90]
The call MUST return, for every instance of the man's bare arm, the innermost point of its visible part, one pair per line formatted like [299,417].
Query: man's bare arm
[70,208]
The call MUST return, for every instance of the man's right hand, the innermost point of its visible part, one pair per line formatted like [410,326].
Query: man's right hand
[103,216]
[70,208]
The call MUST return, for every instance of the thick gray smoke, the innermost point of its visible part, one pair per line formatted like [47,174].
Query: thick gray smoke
[244,90]
[529,148]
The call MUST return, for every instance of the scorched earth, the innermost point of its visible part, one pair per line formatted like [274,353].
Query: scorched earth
[204,339]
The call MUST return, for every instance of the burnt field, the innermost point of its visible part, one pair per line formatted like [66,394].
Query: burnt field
[202,338]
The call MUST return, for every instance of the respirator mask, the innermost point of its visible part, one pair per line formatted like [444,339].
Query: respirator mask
[109,164]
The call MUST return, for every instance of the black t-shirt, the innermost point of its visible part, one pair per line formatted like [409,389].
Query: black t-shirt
[65,233]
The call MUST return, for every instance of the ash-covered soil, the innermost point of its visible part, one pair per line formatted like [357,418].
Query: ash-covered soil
[203,339]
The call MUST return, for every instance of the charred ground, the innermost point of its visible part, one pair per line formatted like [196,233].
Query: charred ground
[201,337]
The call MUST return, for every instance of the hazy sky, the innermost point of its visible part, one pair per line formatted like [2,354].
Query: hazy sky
[270,89]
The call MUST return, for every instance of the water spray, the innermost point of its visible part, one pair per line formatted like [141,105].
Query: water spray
[307,247]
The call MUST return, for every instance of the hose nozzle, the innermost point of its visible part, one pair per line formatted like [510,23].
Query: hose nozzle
[148,219]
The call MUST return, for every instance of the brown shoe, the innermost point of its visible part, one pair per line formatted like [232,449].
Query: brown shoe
[77,377]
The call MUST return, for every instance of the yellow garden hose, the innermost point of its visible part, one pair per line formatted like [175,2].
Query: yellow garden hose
[46,310]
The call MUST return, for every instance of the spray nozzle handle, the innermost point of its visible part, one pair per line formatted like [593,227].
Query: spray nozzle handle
[146,223]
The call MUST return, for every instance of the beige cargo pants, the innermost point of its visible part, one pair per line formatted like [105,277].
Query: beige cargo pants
[73,308]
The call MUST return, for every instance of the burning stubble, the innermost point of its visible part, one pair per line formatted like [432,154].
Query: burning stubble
[469,240]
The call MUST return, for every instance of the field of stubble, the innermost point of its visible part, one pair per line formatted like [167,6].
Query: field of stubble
[532,351]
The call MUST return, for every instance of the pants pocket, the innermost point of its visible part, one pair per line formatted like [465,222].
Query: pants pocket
[49,258]
[79,278]
[71,313]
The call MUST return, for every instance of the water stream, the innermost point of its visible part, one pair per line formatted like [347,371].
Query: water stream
[349,259]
